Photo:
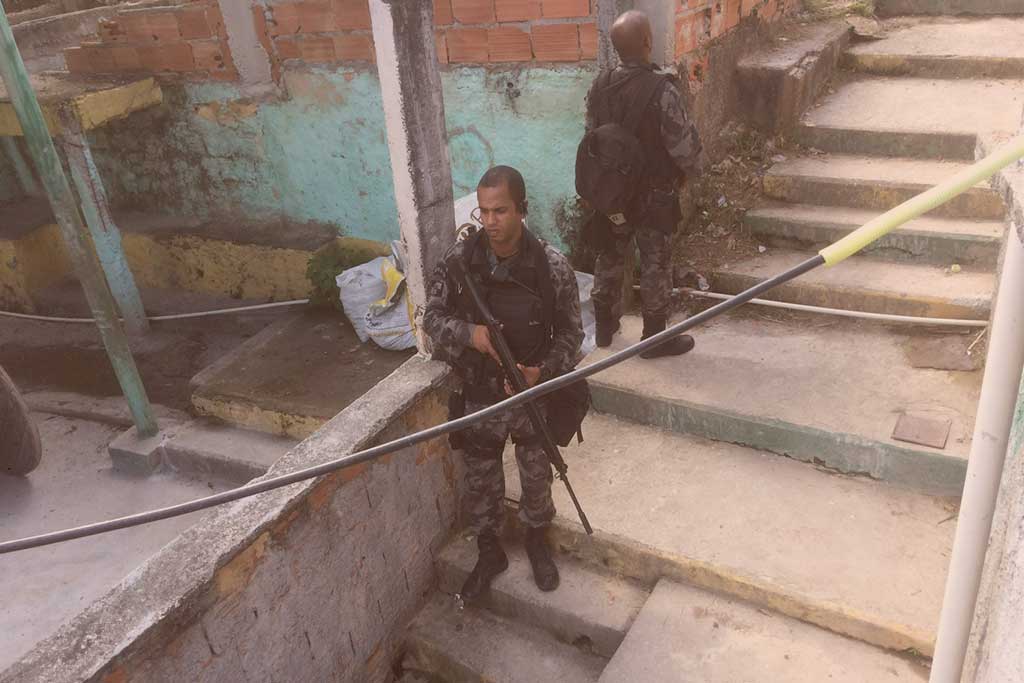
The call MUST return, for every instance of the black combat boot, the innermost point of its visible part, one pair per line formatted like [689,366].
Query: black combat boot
[545,573]
[607,326]
[676,346]
[491,561]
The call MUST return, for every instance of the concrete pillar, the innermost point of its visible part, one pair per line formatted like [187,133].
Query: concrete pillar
[247,51]
[410,84]
[663,20]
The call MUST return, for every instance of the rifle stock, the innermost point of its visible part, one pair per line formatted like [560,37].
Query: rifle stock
[518,382]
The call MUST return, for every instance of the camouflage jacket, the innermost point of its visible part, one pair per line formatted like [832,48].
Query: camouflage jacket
[678,134]
[452,335]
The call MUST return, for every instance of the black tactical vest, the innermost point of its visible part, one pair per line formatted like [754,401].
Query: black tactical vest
[520,295]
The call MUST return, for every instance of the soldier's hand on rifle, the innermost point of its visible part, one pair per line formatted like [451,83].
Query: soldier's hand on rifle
[482,342]
[530,374]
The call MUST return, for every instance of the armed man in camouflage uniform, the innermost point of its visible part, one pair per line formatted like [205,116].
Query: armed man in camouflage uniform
[531,290]
[672,149]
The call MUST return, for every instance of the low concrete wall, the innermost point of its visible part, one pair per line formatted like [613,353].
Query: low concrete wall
[308,583]
[994,655]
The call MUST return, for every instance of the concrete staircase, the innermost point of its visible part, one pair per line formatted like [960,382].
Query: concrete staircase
[715,559]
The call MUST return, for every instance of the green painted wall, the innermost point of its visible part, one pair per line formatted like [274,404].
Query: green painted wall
[319,152]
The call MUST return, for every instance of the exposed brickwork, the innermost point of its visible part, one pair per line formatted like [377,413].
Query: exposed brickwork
[183,39]
[317,31]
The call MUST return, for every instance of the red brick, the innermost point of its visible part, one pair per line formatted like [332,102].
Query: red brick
[150,27]
[565,9]
[287,48]
[508,44]
[556,42]
[588,41]
[691,31]
[169,57]
[316,48]
[208,55]
[473,11]
[467,45]
[517,10]
[301,17]
[352,14]
[111,31]
[443,13]
[694,4]
[215,20]
[89,60]
[354,47]
[126,57]
[192,23]
[442,47]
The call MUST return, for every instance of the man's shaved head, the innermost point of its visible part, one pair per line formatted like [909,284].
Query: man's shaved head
[631,35]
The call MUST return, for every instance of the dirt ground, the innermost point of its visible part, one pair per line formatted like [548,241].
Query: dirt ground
[71,357]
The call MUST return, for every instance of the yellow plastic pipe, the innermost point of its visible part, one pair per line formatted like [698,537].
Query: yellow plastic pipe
[924,202]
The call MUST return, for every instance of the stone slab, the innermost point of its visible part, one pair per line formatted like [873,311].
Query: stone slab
[134,454]
[942,241]
[922,430]
[876,183]
[588,607]
[828,392]
[684,634]
[860,284]
[463,646]
[854,556]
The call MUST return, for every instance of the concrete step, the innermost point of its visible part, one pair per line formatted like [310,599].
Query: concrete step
[943,47]
[911,117]
[853,556]
[867,285]
[939,241]
[875,183]
[472,646]
[888,8]
[826,391]
[210,449]
[685,634]
[590,608]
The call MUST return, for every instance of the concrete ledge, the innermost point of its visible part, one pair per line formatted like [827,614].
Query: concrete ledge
[237,595]
[133,454]
[925,471]
[648,565]
[918,145]
[776,87]
[933,66]
[111,410]
[222,452]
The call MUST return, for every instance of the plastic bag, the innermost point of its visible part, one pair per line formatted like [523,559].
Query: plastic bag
[389,319]
[585,283]
[359,287]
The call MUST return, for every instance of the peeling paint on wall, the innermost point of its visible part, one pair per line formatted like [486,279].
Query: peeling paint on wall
[320,153]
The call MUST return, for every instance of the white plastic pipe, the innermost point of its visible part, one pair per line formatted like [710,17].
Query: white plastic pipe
[999,392]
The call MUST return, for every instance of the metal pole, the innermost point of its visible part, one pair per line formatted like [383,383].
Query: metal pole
[106,238]
[65,209]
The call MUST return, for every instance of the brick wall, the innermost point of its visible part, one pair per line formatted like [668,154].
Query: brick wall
[698,22]
[316,31]
[188,38]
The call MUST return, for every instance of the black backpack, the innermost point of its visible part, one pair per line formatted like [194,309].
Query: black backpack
[610,162]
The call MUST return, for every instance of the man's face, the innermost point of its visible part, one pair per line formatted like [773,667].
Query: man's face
[500,215]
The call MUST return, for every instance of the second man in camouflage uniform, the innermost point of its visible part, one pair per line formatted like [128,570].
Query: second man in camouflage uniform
[672,150]
[531,289]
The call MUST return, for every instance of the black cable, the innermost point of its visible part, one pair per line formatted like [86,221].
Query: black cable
[254,488]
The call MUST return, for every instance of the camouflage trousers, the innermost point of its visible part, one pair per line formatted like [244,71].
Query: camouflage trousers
[655,247]
[485,473]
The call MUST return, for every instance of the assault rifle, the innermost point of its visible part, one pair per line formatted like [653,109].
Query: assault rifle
[518,382]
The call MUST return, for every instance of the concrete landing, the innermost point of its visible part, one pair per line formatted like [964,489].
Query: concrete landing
[944,47]
[854,556]
[939,241]
[867,285]
[294,376]
[875,183]
[684,634]
[925,118]
[75,484]
[950,7]
[819,390]
[471,646]
[589,606]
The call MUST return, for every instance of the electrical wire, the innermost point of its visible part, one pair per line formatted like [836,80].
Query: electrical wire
[159,318]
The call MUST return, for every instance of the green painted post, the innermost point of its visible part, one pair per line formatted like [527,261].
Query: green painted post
[65,209]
